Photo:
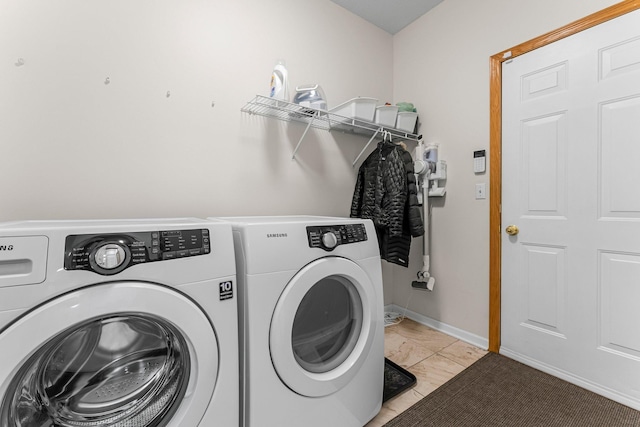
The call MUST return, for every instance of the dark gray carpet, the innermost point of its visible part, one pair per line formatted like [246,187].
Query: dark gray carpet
[498,391]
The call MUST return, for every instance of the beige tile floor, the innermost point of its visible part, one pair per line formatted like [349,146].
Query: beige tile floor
[433,357]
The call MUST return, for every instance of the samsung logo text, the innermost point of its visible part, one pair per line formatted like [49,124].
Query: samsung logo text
[276,235]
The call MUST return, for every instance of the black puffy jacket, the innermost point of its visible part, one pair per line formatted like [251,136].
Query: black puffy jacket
[386,187]
[381,189]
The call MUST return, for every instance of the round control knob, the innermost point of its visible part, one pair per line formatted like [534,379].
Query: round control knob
[329,240]
[110,256]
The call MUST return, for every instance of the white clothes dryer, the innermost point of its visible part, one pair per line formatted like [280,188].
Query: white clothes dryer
[118,323]
[311,321]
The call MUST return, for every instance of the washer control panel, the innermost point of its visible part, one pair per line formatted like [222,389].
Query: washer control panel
[330,236]
[111,253]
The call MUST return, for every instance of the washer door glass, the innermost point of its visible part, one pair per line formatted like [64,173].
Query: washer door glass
[327,324]
[132,354]
[124,370]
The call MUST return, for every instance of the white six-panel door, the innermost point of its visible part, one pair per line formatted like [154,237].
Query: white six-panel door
[571,184]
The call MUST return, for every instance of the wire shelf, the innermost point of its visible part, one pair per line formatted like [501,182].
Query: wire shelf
[320,119]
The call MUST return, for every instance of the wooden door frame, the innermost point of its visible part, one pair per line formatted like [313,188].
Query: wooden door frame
[495,135]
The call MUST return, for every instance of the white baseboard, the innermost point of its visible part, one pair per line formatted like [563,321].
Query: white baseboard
[573,379]
[460,334]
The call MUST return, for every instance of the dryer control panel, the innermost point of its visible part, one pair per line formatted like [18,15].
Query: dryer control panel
[111,253]
[328,237]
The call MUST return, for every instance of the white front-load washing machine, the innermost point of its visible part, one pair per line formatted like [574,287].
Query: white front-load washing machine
[118,323]
[311,321]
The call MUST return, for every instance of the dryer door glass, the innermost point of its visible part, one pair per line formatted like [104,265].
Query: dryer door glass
[327,324]
[123,370]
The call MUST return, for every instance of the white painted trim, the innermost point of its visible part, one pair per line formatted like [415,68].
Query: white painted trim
[460,334]
[573,379]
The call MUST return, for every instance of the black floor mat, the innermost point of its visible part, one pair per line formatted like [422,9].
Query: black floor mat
[396,380]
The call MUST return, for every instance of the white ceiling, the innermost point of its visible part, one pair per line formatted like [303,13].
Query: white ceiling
[390,15]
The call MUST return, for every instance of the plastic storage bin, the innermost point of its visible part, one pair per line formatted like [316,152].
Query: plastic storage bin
[357,108]
[386,115]
[406,121]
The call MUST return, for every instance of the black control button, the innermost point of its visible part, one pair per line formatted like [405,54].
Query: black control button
[138,255]
[169,255]
[182,254]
